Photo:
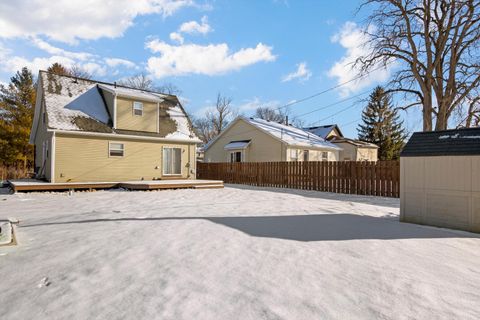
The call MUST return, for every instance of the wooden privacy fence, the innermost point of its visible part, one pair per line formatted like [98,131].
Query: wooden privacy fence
[380,178]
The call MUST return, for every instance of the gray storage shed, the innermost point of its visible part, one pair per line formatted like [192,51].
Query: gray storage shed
[440,179]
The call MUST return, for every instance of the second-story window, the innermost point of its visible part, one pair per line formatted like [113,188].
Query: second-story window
[138,108]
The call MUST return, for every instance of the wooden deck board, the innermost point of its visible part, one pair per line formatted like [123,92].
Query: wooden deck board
[37,185]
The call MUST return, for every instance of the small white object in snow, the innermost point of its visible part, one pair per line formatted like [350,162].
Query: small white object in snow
[14,220]
[43,283]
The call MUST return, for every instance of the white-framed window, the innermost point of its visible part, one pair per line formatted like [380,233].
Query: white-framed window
[138,108]
[305,155]
[293,155]
[116,149]
[172,161]
[324,155]
[236,156]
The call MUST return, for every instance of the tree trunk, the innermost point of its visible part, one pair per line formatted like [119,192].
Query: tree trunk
[427,113]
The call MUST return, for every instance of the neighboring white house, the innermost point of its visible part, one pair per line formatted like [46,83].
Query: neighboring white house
[257,140]
[352,149]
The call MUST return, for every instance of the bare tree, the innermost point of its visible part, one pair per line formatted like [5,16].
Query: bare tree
[74,71]
[214,121]
[169,88]
[436,45]
[270,114]
[139,81]
[144,82]
[469,115]
[221,115]
[203,128]
[79,72]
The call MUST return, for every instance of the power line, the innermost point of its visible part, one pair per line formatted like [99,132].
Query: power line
[330,89]
[333,104]
[334,114]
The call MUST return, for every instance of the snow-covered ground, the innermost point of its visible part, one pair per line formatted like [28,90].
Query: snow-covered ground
[233,253]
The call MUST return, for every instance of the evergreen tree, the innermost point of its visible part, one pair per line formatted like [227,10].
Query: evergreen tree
[58,68]
[17,103]
[382,126]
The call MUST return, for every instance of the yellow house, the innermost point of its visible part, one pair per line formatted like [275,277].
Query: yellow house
[257,140]
[352,150]
[91,131]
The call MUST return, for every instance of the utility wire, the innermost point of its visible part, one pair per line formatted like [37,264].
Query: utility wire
[330,89]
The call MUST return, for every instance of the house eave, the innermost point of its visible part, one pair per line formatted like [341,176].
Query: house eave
[123,136]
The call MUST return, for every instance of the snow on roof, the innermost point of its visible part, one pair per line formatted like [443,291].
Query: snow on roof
[184,129]
[322,131]
[232,145]
[454,142]
[354,142]
[67,99]
[133,93]
[291,135]
[77,105]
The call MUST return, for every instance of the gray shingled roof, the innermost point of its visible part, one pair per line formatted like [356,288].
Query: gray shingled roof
[443,143]
[74,104]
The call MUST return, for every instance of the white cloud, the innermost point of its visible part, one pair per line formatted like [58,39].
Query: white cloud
[195,27]
[212,59]
[14,63]
[69,21]
[353,40]
[302,73]
[45,46]
[249,106]
[175,36]
[116,62]
[94,68]
[97,66]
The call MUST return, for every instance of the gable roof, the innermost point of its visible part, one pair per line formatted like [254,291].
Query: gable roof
[357,143]
[324,131]
[287,134]
[133,93]
[78,105]
[443,143]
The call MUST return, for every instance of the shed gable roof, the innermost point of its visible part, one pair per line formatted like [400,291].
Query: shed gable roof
[443,143]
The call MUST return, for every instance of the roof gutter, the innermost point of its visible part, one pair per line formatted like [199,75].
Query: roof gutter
[122,136]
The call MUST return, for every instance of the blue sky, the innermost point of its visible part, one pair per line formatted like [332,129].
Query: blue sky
[259,53]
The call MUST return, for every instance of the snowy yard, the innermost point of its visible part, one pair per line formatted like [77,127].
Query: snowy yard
[233,253]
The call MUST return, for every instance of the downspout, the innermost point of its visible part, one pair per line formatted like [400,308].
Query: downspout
[114,111]
[158,117]
[52,159]
[189,162]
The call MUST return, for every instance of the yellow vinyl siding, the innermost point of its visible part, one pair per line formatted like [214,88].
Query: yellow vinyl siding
[313,154]
[128,121]
[43,164]
[84,159]
[262,148]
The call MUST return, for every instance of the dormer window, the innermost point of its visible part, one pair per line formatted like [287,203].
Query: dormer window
[138,108]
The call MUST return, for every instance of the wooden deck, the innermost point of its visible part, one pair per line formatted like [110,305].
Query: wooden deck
[38,185]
